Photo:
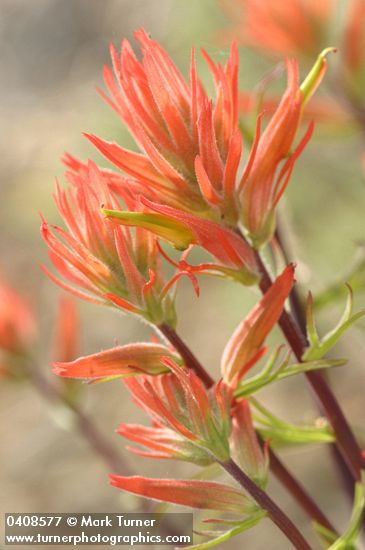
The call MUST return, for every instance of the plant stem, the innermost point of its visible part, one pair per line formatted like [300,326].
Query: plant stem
[264,501]
[185,352]
[277,467]
[345,439]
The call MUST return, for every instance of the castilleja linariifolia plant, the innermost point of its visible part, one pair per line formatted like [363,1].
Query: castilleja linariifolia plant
[192,183]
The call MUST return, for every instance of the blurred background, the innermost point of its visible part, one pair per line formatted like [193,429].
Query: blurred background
[51,58]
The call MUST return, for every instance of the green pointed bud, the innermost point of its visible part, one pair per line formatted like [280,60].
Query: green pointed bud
[175,232]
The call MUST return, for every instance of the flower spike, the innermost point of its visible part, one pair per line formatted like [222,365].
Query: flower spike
[191,146]
[99,261]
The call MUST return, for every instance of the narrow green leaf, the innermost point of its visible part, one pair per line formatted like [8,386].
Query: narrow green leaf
[295,435]
[227,535]
[266,376]
[318,348]
[312,333]
[268,368]
[281,432]
[311,365]
[253,384]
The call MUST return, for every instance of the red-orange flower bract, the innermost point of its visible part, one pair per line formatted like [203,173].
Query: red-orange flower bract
[192,145]
[206,495]
[121,361]
[99,261]
[261,185]
[280,28]
[17,324]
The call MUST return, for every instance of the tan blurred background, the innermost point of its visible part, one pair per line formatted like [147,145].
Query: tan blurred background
[51,58]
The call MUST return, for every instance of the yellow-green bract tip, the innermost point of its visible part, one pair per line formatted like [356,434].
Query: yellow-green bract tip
[173,231]
[315,75]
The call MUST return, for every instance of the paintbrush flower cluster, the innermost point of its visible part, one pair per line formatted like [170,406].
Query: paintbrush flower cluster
[191,184]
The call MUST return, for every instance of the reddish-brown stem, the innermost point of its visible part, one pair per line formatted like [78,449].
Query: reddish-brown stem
[276,466]
[264,501]
[185,352]
[345,439]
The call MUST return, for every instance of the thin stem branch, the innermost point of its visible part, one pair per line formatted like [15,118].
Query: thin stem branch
[276,466]
[345,439]
[264,501]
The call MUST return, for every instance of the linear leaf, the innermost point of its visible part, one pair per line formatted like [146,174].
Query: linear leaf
[227,535]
